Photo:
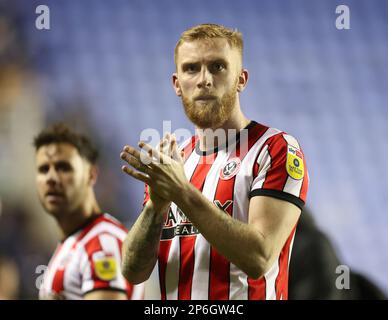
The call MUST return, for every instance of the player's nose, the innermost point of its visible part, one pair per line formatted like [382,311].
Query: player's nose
[205,79]
[52,176]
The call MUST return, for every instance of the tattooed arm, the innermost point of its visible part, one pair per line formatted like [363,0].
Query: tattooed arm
[141,246]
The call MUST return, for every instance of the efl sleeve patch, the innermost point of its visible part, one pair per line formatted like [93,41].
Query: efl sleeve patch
[105,267]
[294,164]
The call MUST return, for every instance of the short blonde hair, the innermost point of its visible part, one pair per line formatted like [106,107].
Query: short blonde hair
[211,31]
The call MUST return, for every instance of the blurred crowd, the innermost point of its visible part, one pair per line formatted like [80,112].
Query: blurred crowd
[25,239]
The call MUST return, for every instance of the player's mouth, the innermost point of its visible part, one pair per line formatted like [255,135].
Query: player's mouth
[54,196]
[205,98]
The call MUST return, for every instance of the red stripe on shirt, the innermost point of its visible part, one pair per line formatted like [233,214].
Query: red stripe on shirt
[186,271]
[219,275]
[257,289]
[189,148]
[92,246]
[277,174]
[305,183]
[164,246]
[219,266]
[59,276]
[187,243]
[58,284]
[281,283]
[254,134]
[164,250]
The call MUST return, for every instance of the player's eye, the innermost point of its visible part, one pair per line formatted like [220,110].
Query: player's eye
[190,68]
[43,169]
[217,67]
[63,166]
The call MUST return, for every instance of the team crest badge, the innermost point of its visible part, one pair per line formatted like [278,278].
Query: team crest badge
[295,166]
[231,168]
[105,268]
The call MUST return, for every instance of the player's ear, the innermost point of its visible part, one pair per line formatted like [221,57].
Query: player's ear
[175,84]
[242,80]
[93,174]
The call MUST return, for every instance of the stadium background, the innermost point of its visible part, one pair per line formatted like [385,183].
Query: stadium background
[105,67]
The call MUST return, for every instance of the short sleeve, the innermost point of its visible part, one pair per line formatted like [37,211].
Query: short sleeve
[280,171]
[101,265]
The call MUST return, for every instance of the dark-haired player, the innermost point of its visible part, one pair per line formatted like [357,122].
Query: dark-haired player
[86,263]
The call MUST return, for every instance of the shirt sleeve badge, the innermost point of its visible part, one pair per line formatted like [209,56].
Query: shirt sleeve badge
[295,166]
[105,267]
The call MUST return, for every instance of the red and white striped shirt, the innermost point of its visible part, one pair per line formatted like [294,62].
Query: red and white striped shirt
[88,260]
[270,163]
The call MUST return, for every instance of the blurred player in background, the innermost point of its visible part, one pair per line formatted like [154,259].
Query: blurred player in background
[87,261]
[313,266]
[219,222]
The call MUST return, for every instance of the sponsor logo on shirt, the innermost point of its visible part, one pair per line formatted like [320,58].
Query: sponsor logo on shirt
[105,266]
[294,165]
[181,226]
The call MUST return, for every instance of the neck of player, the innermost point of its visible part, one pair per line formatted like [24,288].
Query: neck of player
[210,139]
[74,220]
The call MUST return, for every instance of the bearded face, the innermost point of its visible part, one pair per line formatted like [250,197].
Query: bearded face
[209,111]
[62,178]
[208,78]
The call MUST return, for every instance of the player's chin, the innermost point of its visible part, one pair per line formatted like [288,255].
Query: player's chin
[208,121]
[210,104]
[53,209]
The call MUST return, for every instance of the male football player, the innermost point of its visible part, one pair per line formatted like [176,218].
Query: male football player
[87,261]
[219,221]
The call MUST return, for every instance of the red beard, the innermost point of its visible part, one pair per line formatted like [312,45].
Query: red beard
[212,114]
